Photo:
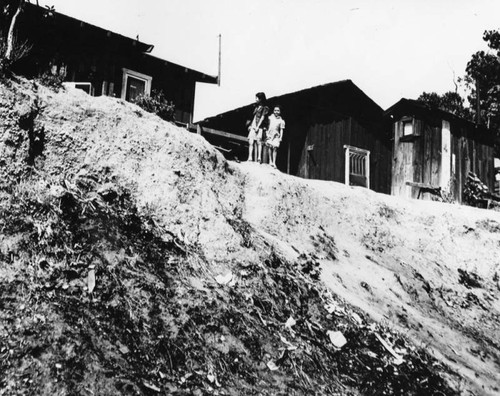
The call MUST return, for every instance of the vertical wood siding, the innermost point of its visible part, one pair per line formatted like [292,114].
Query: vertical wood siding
[420,160]
[326,160]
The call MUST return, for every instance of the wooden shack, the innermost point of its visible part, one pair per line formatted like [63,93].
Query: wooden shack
[434,150]
[333,132]
[102,62]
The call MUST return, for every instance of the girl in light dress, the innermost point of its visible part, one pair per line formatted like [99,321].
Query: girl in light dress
[274,134]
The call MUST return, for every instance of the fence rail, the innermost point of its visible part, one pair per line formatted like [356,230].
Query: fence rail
[201,130]
[357,165]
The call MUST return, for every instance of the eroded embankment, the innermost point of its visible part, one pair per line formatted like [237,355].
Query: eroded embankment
[429,269]
[135,259]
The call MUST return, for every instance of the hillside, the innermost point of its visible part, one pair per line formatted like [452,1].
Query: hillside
[134,259]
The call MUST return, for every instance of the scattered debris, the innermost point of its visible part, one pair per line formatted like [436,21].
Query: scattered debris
[213,379]
[150,329]
[123,348]
[398,358]
[224,279]
[152,387]
[289,346]
[357,319]
[272,366]
[337,338]
[91,280]
[290,322]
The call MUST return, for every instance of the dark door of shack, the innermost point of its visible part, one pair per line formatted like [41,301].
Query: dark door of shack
[135,87]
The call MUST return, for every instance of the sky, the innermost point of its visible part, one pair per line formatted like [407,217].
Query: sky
[389,48]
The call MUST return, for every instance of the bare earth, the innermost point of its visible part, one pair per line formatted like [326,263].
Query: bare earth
[407,252]
[425,270]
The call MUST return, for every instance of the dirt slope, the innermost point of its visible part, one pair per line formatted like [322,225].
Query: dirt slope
[407,263]
[135,259]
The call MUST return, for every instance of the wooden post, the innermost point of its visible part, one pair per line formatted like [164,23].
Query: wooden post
[346,171]
[104,89]
[367,168]
[198,129]
[306,160]
[288,160]
[220,60]
[478,104]
[445,175]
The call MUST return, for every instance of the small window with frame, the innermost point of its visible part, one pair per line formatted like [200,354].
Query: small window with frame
[135,84]
[407,130]
[407,124]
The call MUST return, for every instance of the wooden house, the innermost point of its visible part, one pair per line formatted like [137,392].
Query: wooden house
[333,132]
[434,150]
[102,62]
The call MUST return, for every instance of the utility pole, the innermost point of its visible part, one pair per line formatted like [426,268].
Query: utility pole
[220,58]
[478,104]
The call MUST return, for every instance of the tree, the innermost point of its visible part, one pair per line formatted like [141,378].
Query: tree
[10,52]
[10,36]
[449,101]
[483,80]
[431,99]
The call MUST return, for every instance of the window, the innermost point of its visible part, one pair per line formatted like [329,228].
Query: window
[84,86]
[407,127]
[135,84]
[409,131]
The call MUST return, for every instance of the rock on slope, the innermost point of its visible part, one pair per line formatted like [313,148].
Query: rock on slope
[135,259]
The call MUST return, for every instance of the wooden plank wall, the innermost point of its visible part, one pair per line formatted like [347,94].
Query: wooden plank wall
[459,170]
[418,153]
[484,165]
[420,160]
[417,160]
[403,162]
[470,156]
[326,160]
[436,137]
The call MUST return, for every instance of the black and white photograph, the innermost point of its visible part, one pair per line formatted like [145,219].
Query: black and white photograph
[250,197]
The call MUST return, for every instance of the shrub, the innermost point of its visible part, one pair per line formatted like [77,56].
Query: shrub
[53,79]
[156,103]
[474,190]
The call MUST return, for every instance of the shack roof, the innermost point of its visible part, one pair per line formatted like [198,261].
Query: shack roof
[415,108]
[341,97]
[69,27]
[199,76]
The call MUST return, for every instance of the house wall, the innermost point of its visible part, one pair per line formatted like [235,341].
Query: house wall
[87,53]
[439,154]
[177,83]
[327,159]
[326,117]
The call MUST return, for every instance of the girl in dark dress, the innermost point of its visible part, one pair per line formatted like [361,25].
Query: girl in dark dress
[257,127]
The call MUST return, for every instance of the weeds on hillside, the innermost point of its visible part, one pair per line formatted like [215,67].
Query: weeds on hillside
[156,103]
[98,299]
[53,78]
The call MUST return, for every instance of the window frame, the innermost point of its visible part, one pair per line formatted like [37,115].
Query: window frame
[407,121]
[410,137]
[139,76]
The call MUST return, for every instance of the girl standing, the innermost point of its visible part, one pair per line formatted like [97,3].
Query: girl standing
[275,134]
[257,126]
